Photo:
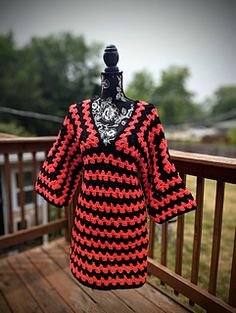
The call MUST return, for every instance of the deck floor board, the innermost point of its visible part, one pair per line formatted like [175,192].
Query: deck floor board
[40,280]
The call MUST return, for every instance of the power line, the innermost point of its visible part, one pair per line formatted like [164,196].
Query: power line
[31,114]
[209,121]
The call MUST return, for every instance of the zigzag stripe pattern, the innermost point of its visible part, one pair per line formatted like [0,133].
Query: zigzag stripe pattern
[60,172]
[122,182]
[166,183]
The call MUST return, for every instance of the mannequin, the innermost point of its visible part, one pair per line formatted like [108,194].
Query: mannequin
[112,109]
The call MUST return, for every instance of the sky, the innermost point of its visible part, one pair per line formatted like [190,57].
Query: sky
[149,35]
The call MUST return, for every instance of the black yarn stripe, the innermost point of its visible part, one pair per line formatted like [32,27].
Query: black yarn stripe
[110,239]
[137,274]
[134,262]
[109,287]
[111,199]
[114,251]
[109,228]
[114,169]
[106,184]
[100,214]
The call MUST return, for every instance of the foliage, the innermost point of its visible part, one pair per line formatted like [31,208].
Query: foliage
[12,128]
[224,100]
[232,136]
[142,86]
[174,98]
[46,75]
[171,97]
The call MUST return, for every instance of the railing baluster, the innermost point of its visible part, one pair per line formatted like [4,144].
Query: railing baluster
[7,171]
[48,211]
[59,212]
[216,236]
[70,217]
[179,240]
[232,285]
[197,232]
[151,238]
[21,187]
[48,204]
[34,166]
[164,245]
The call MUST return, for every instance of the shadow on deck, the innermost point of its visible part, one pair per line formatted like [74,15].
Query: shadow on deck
[40,280]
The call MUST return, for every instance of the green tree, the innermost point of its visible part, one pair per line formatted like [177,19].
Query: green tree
[173,99]
[46,75]
[13,129]
[232,136]
[224,100]
[142,86]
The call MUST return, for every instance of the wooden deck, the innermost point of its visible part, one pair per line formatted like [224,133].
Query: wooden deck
[40,280]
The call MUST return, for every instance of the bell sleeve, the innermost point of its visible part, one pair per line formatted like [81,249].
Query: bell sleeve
[165,192]
[59,174]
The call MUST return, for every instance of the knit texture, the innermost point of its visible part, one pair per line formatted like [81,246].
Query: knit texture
[122,182]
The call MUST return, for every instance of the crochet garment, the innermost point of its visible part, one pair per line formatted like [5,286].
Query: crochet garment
[127,173]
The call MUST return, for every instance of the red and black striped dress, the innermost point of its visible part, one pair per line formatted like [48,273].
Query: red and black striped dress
[123,179]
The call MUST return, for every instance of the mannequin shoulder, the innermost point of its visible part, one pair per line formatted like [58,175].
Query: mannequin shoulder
[151,109]
[73,106]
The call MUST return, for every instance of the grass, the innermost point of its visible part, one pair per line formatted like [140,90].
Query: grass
[226,244]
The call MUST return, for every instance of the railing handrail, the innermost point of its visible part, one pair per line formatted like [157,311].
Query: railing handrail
[207,159]
[198,158]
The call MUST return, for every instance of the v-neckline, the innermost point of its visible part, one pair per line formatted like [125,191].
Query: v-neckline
[120,132]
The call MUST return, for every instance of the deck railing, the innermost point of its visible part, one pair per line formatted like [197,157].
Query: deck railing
[221,170]
[201,166]
[12,151]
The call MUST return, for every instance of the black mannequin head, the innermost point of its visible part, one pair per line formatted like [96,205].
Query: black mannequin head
[112,78]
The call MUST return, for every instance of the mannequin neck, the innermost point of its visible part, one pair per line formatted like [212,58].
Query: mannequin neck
[112,87]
